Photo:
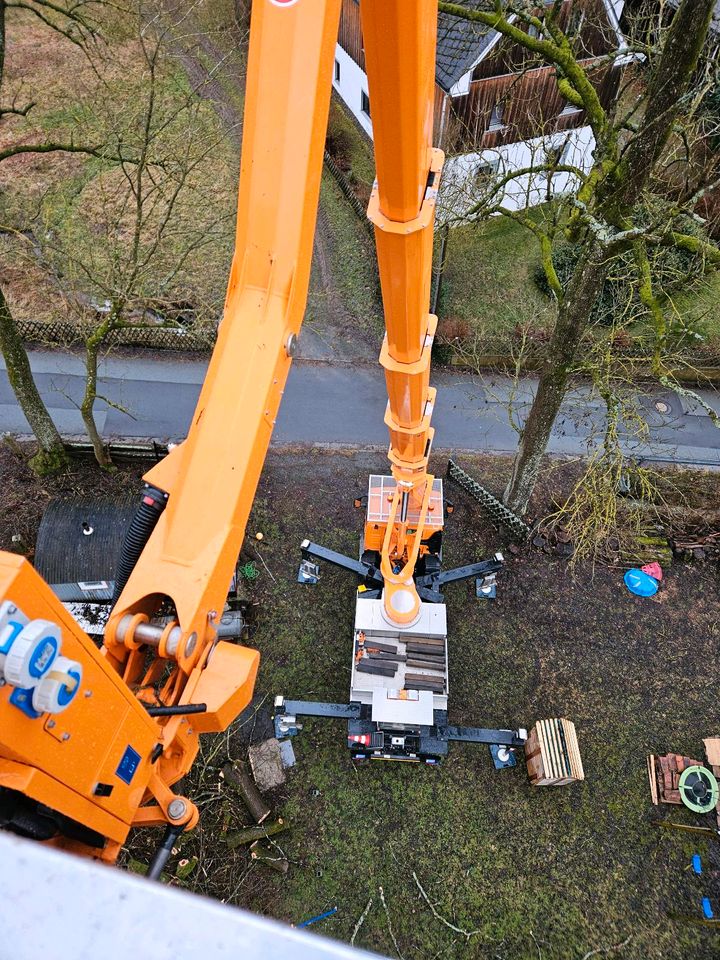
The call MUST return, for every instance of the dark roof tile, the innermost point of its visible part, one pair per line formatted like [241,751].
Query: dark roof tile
[460,43]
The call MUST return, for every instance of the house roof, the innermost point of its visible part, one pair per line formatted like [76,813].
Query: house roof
[460,44]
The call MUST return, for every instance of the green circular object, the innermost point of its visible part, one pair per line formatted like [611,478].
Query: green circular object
[699,789]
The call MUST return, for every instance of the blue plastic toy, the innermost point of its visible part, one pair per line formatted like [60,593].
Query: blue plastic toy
[641,584]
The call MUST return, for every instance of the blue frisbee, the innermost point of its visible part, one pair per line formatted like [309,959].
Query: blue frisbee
[641,584]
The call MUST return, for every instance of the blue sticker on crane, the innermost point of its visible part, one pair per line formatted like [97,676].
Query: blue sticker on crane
[128,765]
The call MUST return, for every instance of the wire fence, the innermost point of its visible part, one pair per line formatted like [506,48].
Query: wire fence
[350,195]
[199,339]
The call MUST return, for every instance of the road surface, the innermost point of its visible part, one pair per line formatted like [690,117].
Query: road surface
[344,404]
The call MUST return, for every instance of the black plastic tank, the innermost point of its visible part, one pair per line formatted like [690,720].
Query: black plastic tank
[82,540]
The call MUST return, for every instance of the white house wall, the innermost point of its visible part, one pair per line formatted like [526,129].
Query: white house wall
[352,84]
[459,182]
[464,182]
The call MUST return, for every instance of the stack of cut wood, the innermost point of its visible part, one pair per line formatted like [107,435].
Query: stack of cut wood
[261,851]
[552,754]
[664,775]
[428,655]
[381,659]
[712,752]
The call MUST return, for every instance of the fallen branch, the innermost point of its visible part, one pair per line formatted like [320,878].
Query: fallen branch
[249,834]
[262,561]
[617,946]
[466,933]
[387,914]
[360,922]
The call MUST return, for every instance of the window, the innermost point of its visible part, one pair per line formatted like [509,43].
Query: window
[496,117]
[533,31]
[569,109]
[365,103]
[486,169]
[559,153]
[337,72]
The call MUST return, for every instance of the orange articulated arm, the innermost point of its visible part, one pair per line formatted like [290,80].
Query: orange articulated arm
[212,477]
[81,743]
[400,39]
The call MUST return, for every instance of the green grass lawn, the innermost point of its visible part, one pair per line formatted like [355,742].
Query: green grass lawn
[351,148]
[489,287]
[529,872]
[488,280]
[699,307]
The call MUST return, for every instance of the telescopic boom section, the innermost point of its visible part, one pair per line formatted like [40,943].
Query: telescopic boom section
[107,763]
[400,39]
[211,479]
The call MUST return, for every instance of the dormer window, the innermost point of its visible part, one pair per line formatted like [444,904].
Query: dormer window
[496,117]
[569,109]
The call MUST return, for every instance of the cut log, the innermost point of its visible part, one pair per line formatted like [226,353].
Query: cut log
[377,645]
[268,857]
[418,681]
[238,837]
[365,666]
[423,665]
[427,645]
[237,775]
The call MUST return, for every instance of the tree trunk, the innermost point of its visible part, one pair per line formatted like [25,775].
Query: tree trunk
[617,197]
[52,455]
[92,345]
[249,834]
[236,774]
[571,324]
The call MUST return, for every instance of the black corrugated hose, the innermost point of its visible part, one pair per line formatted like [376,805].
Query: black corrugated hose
[152,504]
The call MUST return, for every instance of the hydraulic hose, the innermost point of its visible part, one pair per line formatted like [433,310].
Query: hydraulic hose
[152,504]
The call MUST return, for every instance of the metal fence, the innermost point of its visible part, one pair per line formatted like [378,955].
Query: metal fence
[350,195]
[200,339]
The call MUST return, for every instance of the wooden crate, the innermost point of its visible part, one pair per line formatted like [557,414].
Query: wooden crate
[552,754]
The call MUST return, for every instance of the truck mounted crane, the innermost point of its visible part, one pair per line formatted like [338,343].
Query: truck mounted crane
[93,740]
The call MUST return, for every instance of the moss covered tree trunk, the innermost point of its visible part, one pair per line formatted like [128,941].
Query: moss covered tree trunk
[51,455]
[92,347]
[585,286]
[614,200]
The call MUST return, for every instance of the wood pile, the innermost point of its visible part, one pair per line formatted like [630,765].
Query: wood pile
[712,752]
[552,754]
[696,544]
[664,776]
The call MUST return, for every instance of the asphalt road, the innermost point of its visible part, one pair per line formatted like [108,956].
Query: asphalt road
[344,404]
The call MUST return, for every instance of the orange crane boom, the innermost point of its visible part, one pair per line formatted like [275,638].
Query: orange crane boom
[91,741]
[99,763]
[400,41]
